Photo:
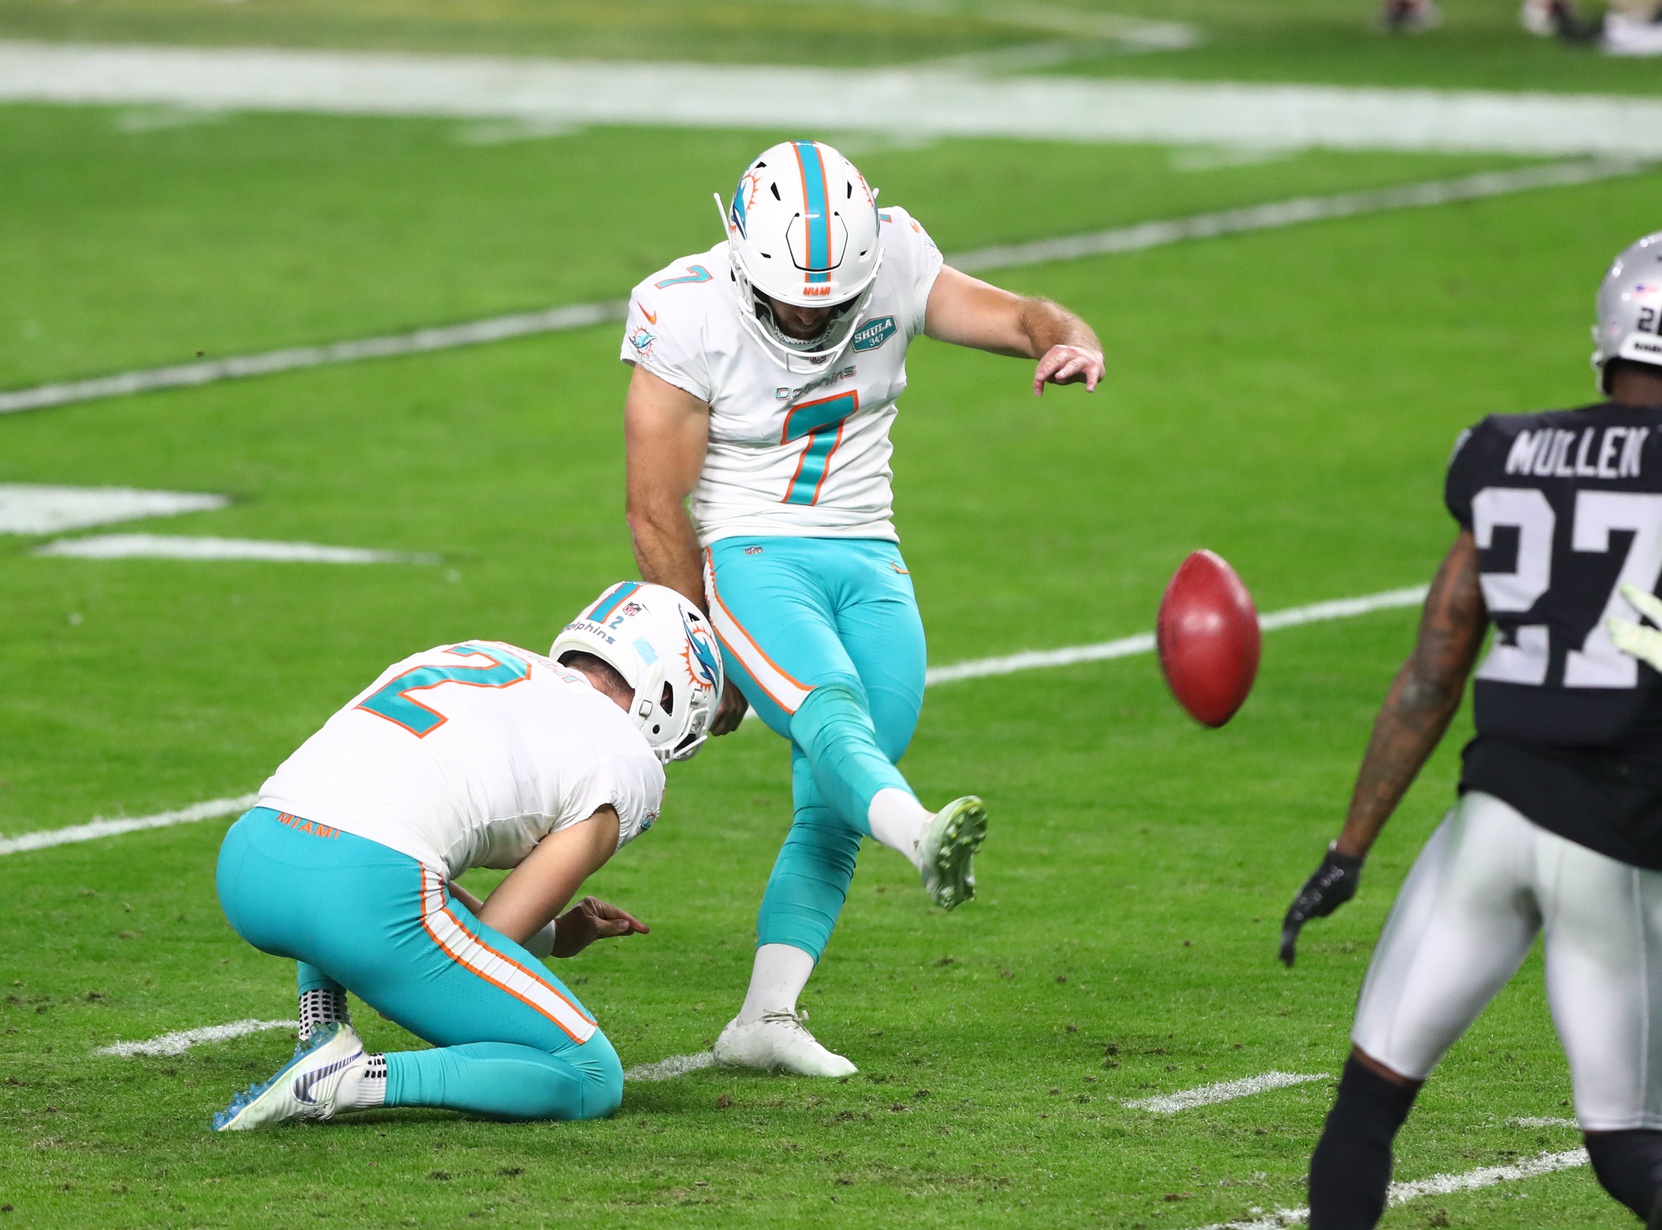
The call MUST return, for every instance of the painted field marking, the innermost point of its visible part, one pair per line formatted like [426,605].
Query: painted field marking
[1536,1121]
[908,98]
[1436,1185]
[98,827]
[179,546]
[186,375]
[1293,617]
[1138,238]
[1143,642]
[180,1042]
[35,508]
[1224,1091]
[669,1069]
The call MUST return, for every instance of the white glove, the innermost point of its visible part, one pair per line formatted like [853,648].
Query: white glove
[1636,640]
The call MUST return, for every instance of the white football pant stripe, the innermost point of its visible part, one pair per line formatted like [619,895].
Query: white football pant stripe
[784,691]
[501,971]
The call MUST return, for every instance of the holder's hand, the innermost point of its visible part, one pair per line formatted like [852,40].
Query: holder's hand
[589,920]
[730,710]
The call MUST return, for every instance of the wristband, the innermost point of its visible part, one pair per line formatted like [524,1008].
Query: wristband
[541,943]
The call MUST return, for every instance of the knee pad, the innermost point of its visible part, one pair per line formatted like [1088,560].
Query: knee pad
[1629,1167]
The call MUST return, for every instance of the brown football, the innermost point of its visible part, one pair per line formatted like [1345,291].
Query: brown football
[1208,638]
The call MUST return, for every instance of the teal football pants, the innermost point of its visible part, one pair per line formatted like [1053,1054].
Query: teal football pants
[823,637]
[512,1042]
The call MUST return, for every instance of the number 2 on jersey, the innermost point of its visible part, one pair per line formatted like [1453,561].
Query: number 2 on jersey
[1597,663]
[394,702]
[822,423]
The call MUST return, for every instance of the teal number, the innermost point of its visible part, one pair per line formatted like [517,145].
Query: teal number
[822,423]
[695,274]
[394,702]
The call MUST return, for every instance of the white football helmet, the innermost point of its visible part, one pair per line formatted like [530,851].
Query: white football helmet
[802,227]
[1630,309]
[665,649]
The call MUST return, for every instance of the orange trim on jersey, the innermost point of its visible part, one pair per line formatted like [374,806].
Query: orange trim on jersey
[830,453]
[439,683]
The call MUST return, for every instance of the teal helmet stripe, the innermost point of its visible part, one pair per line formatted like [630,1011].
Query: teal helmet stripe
[818,208]
[612,601]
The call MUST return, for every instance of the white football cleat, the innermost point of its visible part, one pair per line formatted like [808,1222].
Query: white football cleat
[948,851]
[1626,34]
[778,1042]
[306,1087]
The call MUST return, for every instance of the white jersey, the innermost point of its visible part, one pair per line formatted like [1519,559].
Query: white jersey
[805,455]
[468,755]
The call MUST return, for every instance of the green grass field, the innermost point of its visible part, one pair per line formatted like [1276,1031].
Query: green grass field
[1286,398]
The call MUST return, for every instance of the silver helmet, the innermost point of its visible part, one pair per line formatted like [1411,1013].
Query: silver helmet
[1630,309]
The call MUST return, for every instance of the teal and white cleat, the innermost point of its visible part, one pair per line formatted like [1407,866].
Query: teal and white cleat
[306,1087]
[948,849]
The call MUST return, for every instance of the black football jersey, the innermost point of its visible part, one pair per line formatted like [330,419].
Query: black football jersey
[1566,507]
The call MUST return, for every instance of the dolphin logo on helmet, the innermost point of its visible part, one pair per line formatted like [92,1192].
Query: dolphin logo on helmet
[662,646]
[703,658]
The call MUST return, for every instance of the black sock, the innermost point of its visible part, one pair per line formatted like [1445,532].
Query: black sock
[1351,1168]
[1629,1167]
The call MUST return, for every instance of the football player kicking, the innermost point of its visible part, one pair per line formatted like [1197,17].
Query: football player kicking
[766,373]
[471,755]
[1558,828]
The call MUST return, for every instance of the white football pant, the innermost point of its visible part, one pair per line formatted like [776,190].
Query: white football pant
[1485,884]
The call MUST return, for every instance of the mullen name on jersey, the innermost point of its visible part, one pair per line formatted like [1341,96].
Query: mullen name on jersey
[1565,507]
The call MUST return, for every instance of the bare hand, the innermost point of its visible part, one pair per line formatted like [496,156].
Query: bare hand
[589,920]
[730,712]
[1068,365]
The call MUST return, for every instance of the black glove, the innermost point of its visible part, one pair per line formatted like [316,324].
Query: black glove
[1333,884]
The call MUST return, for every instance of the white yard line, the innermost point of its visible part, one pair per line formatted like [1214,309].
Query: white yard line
[179,1043]
[178,546]
[1343,608]
[32,508]
[669,1069]
[1436,1185]
[1226,1091]
[184,375]
[939,102]
[97,828]
[1143,642]
[1536,1121]
[1138,238]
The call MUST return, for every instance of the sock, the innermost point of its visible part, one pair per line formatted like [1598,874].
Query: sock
[1351,1167]
[320,1007]
[364,1087]
[899,821]
[1629,1167]
[777,978]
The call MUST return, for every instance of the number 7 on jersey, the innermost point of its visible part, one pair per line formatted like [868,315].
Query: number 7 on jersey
[822,423]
